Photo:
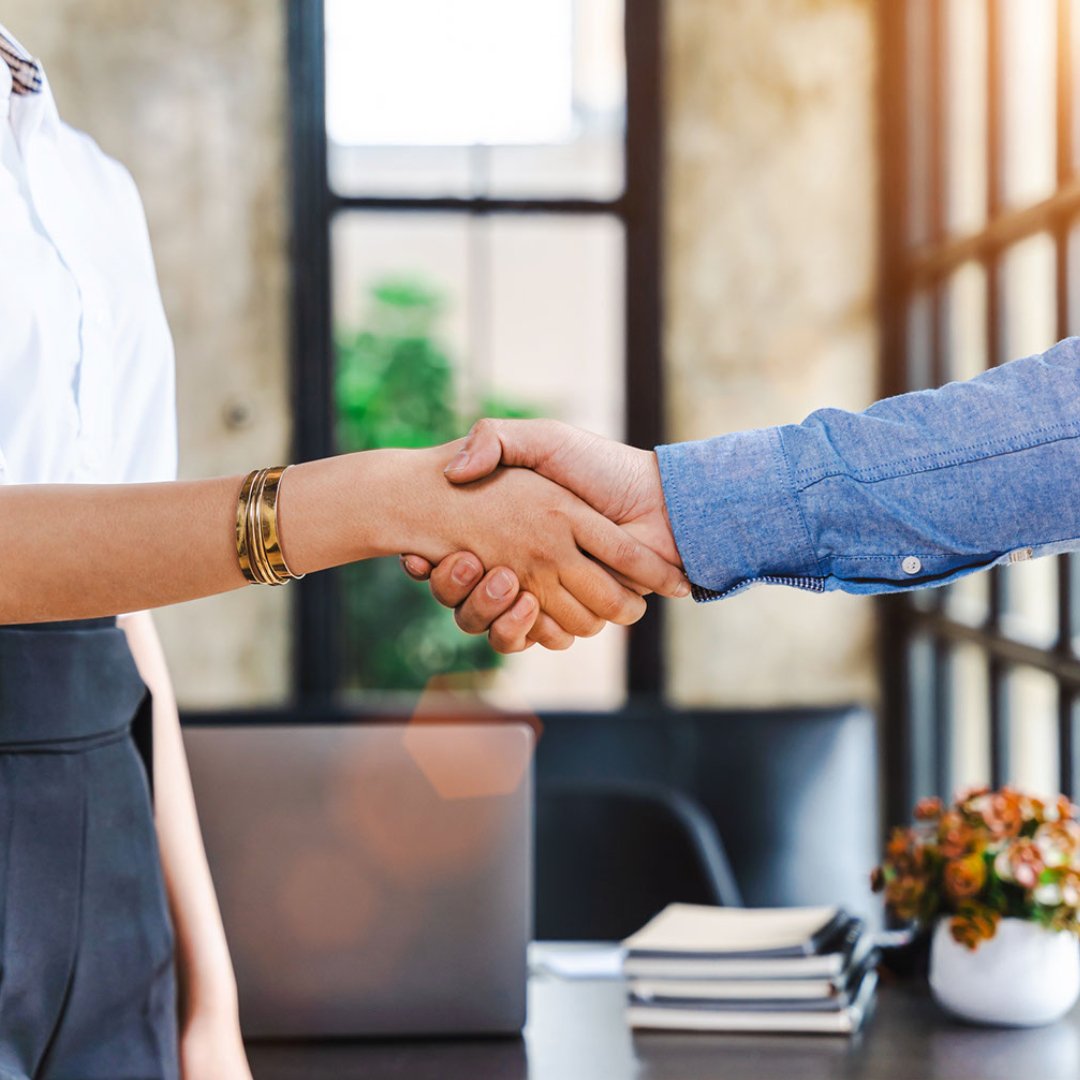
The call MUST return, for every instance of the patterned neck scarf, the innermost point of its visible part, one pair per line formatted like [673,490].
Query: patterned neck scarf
[25,73]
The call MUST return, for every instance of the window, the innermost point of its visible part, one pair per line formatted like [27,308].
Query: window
[476,232]
[981,211]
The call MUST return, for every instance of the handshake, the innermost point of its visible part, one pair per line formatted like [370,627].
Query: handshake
[592,536]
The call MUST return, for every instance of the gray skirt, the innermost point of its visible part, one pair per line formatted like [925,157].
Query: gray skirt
[87,983]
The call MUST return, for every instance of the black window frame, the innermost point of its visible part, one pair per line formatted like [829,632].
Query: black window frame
[317,637]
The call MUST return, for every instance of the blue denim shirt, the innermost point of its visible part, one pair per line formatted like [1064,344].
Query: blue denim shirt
[918,490]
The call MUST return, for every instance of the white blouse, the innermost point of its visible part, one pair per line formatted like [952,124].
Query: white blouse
[86,360]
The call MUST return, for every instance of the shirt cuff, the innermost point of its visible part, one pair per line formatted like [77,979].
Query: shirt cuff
[734,514]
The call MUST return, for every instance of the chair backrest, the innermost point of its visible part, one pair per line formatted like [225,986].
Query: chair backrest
[795,795]
[611,855]
[793,792]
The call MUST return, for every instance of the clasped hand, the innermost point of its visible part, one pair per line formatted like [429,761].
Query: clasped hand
[587,536]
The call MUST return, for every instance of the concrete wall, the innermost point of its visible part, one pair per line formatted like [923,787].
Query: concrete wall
[190,96]
[770,228]
[770,250]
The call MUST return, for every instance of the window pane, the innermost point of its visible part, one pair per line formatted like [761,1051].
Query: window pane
[968,600]
[1029,308]
[1033,745]
[922,721]
[964,315]
[478,97]
[918,82]
[1029,93]
[1030,601]
[919,342]
[970,693]
[1074,51]
[1072,568]
[1073,252]
[1074,768]
[965,115]
[1028,284]
[440,319]
[963,303]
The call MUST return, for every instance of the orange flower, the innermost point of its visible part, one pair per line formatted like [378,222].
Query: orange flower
[964,877]
[928,809]
[900,845]
[904,895]
[1058,841]
[1020,862]
[1003,812]
[973,924]
[955,836]
[965,795]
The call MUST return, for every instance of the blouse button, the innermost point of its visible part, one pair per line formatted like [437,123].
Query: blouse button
[911,565]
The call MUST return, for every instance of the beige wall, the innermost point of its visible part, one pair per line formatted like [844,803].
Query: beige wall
[190,96]
[770,229]
[770,254]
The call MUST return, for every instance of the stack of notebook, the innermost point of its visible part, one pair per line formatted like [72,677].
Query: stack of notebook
[739,969]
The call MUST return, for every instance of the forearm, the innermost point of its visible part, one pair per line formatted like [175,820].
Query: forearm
[204,969]
[74,551]
[916,491]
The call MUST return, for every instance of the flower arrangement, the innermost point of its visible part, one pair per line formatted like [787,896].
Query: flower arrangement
[990,855]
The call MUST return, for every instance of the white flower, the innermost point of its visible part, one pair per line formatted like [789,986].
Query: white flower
[1002,867]
[1049,895]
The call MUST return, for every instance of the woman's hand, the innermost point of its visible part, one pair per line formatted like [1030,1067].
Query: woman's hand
[211,1048]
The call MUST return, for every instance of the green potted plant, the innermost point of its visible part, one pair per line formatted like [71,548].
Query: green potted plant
[395,386]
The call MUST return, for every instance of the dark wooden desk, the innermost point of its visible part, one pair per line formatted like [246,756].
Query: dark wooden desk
[576,1032]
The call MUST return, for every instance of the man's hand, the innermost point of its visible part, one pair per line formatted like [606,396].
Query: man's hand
[620,482]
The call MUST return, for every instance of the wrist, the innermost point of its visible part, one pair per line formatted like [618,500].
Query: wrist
[401,502]
[362,506]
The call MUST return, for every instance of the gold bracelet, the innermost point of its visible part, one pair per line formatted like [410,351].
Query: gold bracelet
[258,555]
[258,539]
[242,506]
[269,533]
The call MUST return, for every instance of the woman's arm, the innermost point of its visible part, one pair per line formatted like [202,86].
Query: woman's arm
[211,1044]
[73,551]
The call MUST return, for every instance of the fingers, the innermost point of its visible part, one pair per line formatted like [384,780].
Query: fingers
[547,633]
[511,633]
[598,591]
[492,603]
[494,596]
[572,615]
[417,568]
[616,548]
[453,579]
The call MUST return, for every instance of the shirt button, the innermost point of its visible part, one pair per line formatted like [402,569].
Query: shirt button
[911,565]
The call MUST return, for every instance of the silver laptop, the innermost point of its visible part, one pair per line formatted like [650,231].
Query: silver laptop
[374,879]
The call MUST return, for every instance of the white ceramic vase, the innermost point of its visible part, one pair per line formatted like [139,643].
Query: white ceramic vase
[1024,976]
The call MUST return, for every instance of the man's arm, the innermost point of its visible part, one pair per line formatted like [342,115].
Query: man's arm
[916,491]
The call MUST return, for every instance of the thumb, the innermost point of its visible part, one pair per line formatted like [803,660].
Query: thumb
[524,443]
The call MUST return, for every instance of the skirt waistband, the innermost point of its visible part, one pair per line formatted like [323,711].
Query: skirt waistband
[103,623]
[66,681]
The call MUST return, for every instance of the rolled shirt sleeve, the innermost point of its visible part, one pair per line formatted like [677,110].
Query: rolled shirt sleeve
[918,490]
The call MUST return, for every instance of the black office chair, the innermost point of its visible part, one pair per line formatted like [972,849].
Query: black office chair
[610,855]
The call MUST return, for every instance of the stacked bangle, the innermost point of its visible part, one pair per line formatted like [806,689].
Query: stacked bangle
[258,539]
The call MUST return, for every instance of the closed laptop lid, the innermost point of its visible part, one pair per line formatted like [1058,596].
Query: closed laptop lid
[374,879]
